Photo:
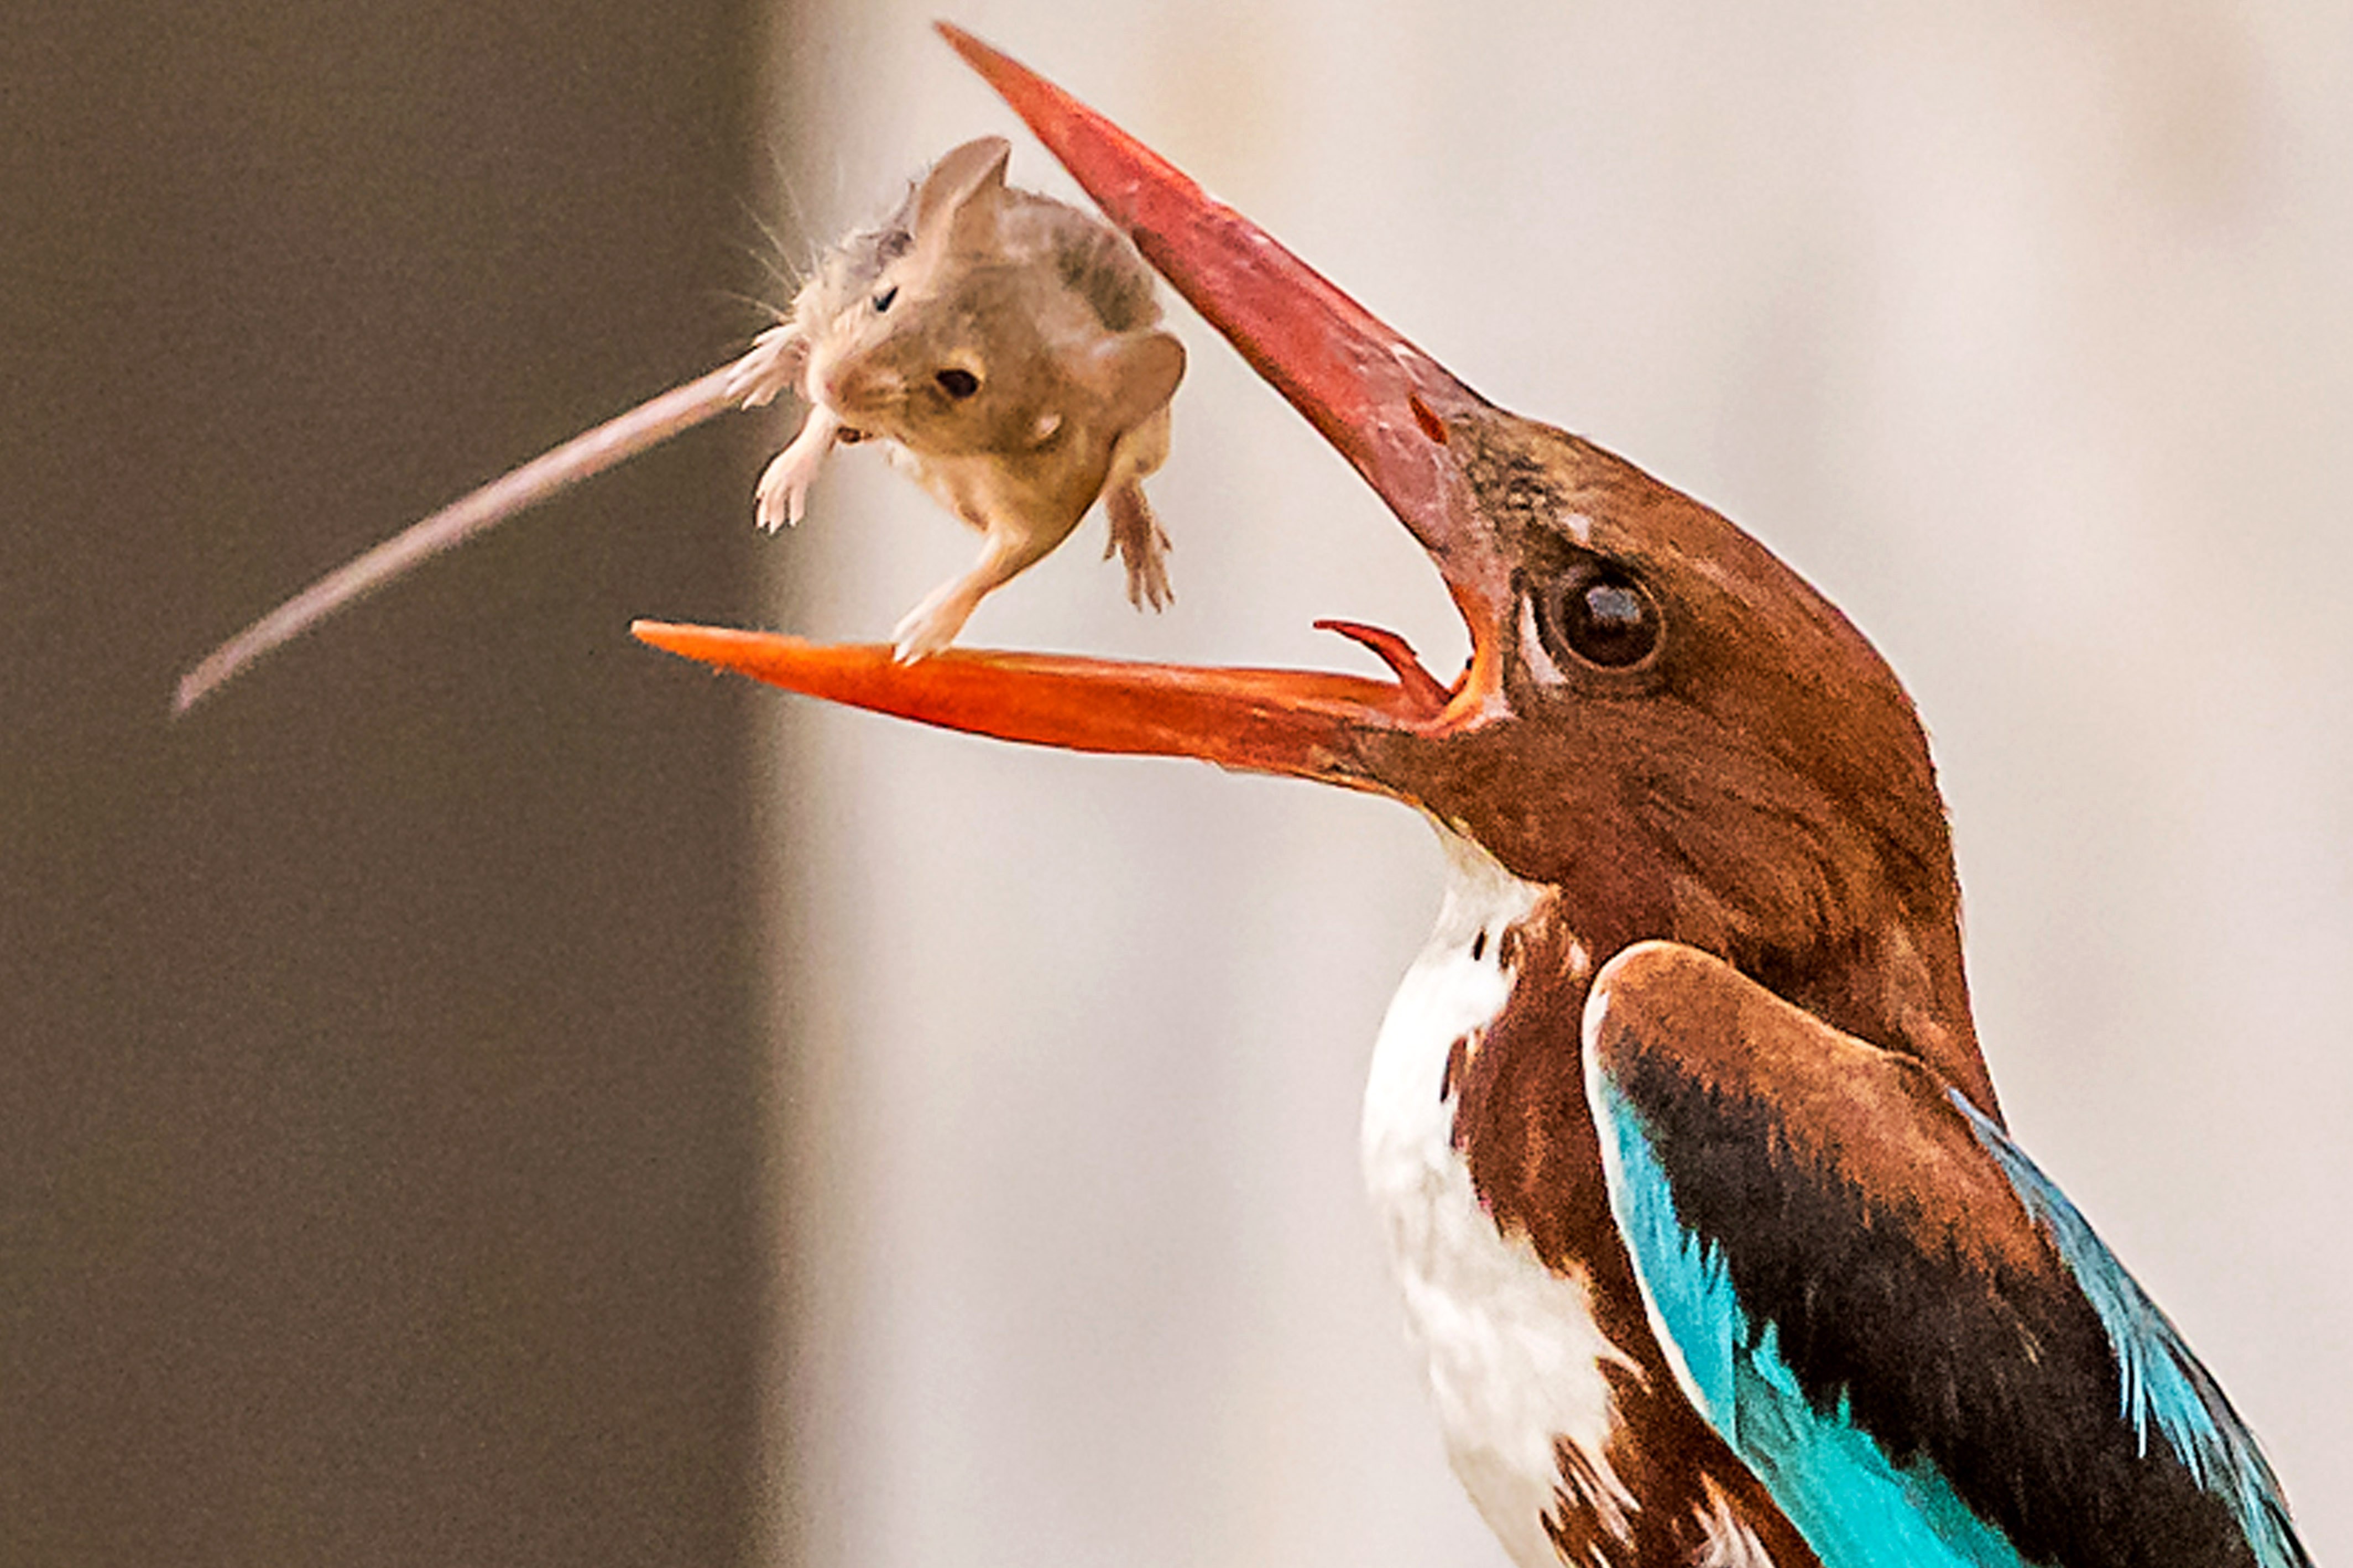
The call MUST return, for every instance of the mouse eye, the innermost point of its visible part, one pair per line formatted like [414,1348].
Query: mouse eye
[958,382]
[882,300]
[1599,613]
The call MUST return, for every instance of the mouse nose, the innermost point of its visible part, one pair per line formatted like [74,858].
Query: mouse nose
[838,386]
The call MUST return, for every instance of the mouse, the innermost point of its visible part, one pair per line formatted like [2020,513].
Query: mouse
[1003,347]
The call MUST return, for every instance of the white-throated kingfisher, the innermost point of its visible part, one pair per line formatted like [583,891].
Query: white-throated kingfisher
[1695,1179]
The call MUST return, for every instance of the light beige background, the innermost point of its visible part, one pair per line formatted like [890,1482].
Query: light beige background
[2026,331]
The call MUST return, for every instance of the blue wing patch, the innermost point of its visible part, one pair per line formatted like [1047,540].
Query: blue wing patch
[1855,1508]
[1892,1316]
[2163,1383]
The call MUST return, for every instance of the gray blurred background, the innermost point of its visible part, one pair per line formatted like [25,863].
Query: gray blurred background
[483,1092]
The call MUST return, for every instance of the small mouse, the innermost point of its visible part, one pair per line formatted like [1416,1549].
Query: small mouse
[1002,345]
[1006,349]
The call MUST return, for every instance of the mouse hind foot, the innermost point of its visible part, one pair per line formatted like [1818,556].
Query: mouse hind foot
[1141,544]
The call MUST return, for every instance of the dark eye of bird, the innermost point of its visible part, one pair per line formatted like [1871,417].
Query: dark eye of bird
[882,300]
[957,383]
[1598,614]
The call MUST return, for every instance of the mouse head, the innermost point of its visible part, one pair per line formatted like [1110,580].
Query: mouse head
[931,333]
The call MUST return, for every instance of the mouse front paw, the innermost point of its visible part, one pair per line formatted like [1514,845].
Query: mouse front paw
[784,485]
[784,490]
[773,365]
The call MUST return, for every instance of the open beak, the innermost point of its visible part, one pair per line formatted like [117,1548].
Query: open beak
[1385,404]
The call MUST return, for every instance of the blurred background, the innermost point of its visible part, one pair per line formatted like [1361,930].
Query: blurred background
[482,1091]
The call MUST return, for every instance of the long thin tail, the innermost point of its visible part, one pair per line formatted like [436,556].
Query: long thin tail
[591,453]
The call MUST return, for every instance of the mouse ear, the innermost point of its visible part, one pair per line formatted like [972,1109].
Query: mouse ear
[958,192]
[1136,374]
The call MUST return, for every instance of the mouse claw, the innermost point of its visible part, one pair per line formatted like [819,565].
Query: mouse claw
[781,495]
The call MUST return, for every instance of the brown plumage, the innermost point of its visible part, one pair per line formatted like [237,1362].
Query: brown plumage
[1695,1010]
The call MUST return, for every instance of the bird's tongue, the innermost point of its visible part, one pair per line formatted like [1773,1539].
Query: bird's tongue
[1384,403]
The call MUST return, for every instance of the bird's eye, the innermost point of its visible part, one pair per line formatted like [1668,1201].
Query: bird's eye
[958,382]
[882,301]
[1598,614]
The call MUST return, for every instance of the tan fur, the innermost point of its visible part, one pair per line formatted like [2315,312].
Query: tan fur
[1005,347]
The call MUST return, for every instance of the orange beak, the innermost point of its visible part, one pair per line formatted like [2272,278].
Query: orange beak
[1384,403]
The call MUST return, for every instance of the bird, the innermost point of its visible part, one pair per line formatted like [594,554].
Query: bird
[1697,1189]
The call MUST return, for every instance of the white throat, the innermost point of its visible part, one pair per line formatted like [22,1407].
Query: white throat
[1514,1357]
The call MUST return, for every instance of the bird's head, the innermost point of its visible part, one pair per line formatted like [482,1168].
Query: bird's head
[1658,720]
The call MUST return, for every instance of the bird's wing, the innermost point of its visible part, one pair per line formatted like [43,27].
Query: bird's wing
[1891,1314]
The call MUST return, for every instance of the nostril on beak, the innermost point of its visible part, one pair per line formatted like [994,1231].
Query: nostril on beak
[1427,417]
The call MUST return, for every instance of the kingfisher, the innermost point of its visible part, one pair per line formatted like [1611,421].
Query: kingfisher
[1703,1210]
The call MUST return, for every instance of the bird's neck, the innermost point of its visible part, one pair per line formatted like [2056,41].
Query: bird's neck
[1873,947]
[1496,1008]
